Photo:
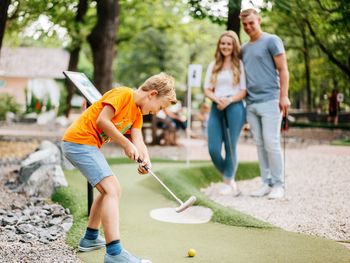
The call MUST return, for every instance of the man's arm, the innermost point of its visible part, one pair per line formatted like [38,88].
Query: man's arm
[282,67]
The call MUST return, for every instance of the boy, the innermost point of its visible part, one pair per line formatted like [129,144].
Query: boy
[118,113]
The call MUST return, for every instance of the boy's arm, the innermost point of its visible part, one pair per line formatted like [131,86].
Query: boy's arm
[104,122]
[137,139]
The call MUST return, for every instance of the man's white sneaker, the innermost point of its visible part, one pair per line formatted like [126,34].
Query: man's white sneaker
[229,189]
[262,191]
[277,192]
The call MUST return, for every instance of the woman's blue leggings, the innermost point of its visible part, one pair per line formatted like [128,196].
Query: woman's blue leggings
[218,134]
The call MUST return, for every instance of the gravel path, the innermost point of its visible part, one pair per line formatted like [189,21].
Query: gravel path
[12,247]
[317,193]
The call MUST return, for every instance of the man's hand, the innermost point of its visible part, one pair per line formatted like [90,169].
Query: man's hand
[284,105]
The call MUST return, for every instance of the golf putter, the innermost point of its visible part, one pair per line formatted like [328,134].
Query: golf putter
[284,129]
[183,205]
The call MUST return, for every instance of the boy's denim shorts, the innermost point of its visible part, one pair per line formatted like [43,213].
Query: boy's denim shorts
[89,160]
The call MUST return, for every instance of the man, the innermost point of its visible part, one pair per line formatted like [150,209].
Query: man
[267,100]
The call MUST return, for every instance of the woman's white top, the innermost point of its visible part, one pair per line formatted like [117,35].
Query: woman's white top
[224,86]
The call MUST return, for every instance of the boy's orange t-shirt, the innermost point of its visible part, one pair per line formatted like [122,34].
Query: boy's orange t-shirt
[127,115]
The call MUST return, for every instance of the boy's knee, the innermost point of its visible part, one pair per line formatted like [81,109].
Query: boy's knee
[116,191]
[110,186]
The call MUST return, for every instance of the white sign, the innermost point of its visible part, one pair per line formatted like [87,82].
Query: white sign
[194,75]
[340,97]
[84,85]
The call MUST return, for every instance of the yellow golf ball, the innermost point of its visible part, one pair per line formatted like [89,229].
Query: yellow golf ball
[191,253]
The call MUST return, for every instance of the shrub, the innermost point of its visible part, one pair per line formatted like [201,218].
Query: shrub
[8,103]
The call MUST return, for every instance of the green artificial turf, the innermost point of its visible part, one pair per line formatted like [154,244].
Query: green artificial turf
[184,182]
[169,243]
[187,182]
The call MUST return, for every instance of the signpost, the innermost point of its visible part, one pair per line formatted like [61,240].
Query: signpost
[91,94]
[194,80]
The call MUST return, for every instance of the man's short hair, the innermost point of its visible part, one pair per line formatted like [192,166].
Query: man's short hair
[248,11]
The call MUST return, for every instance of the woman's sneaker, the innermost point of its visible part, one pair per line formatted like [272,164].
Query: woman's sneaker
[230,189]
[124,257]
[88,245]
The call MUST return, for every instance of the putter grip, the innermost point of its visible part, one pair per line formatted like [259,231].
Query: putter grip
[285,123]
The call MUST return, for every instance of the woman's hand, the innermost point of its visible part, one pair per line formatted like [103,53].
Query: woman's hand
[223,102]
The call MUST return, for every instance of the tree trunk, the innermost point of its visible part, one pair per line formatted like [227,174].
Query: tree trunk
[102,42]
[4,5]
[74,55]
[233,21]
[307,69]
[72,66]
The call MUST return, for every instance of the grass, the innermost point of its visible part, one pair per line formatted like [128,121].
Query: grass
[184,182]
[330,126]
[187,182]
[74,197]
[344,142]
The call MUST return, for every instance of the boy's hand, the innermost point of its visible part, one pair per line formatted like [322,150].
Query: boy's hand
[131,151]
[142,164]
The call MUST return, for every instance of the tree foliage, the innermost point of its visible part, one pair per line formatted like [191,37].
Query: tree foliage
[218,11]
[162,40]
[316,35]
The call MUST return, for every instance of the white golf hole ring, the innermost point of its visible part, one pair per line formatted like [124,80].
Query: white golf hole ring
[192,215]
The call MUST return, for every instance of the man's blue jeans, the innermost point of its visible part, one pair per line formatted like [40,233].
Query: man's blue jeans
[218,134]
[265,125]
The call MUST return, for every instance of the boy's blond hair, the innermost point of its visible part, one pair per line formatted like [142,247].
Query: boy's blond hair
[164,84]
[247,12]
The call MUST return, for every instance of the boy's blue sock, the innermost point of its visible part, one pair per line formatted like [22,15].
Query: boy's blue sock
[114,248]
[91,234]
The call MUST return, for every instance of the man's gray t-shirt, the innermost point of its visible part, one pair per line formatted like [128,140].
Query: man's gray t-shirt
[261,74]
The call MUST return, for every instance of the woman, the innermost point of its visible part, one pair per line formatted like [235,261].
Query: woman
[225,85]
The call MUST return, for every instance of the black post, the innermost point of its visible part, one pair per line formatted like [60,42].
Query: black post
[90,189]
[90,192]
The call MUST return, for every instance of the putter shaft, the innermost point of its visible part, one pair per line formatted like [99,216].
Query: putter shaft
[160,181]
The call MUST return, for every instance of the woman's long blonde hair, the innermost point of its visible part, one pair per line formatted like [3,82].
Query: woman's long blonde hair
[219,58]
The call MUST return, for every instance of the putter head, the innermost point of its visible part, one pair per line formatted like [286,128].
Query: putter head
[186,204]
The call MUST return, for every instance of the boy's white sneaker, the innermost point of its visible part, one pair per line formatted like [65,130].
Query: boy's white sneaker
[262,191]
[230,189]
[124,257]
[277,192]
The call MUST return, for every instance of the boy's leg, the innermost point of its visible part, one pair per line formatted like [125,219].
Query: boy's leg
[110,190]
[95,213]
